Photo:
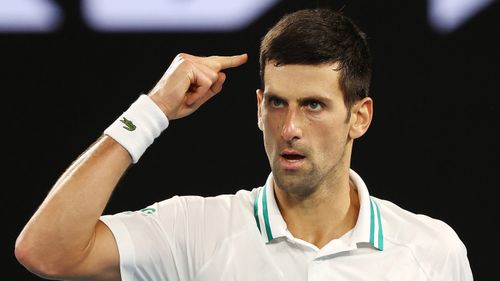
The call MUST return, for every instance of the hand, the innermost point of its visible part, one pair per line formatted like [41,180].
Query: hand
[190,81]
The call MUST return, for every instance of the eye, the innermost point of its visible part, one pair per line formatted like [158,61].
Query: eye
[276,102]
[315,105]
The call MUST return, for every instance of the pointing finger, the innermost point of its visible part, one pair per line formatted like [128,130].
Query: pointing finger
[229,61]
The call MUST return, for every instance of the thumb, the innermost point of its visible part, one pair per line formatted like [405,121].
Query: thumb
[217,86]
[202,95]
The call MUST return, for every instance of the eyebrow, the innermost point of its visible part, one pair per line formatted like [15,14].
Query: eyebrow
[303,100]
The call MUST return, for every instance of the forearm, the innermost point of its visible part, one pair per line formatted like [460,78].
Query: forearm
[64,239]
[61,230]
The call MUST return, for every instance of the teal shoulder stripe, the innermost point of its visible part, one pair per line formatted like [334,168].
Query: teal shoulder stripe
[256,209]
[372,224]
[266,214]
[380,232]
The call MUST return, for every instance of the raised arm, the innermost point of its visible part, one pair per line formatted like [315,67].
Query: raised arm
[65,239]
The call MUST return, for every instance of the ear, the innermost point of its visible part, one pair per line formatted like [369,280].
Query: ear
[260,99]
[361,117]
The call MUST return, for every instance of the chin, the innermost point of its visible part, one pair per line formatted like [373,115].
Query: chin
[294,182]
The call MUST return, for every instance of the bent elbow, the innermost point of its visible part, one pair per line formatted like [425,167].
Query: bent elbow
[34,261]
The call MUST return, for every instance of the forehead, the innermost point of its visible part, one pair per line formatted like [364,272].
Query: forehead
[298,79]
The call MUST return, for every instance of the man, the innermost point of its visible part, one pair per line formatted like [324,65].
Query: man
[313,219]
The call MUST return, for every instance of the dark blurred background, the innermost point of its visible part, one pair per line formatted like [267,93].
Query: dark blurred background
[432,147]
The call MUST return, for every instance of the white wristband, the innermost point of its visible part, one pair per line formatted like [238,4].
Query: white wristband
[138,126]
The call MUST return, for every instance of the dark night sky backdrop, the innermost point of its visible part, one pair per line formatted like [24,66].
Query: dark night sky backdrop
[432,147]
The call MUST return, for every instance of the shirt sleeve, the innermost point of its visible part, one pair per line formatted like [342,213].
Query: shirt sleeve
[445,255]
[456,264]
[173,239]
[145,241]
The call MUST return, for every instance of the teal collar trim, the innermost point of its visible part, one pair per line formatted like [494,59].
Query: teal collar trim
[367,229]
[262,199]
[376,226]
[256,209]
[266,215]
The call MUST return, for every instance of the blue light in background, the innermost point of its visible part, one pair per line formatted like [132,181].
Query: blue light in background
[447,15]
[17,16]
[172,15]
[29,16]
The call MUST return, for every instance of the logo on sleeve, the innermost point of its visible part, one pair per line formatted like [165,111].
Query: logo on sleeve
[129,125]
[148,211]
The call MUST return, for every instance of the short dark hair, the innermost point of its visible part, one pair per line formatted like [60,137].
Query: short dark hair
[318,36]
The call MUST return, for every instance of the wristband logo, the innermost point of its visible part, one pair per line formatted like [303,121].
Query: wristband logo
[129,125]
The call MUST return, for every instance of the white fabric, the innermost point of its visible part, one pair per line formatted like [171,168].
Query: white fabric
[138,126]
[217,238]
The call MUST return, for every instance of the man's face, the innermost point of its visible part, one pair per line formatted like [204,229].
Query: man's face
[303,117]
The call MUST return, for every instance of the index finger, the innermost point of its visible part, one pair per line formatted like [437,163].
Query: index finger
[229,61]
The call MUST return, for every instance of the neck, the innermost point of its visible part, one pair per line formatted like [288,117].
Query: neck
[325,215]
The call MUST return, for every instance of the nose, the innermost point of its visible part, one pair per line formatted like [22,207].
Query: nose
[291,130]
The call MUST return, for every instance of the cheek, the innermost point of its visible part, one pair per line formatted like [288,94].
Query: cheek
[328,138]
[271,124]
[270,146]
[271,132]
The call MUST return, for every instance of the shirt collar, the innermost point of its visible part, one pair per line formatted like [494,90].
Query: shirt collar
[368,228]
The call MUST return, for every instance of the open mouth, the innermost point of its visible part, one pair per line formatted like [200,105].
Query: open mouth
[292,156]
[291,160]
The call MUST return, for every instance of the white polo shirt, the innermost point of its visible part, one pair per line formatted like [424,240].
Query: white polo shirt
[244,237]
